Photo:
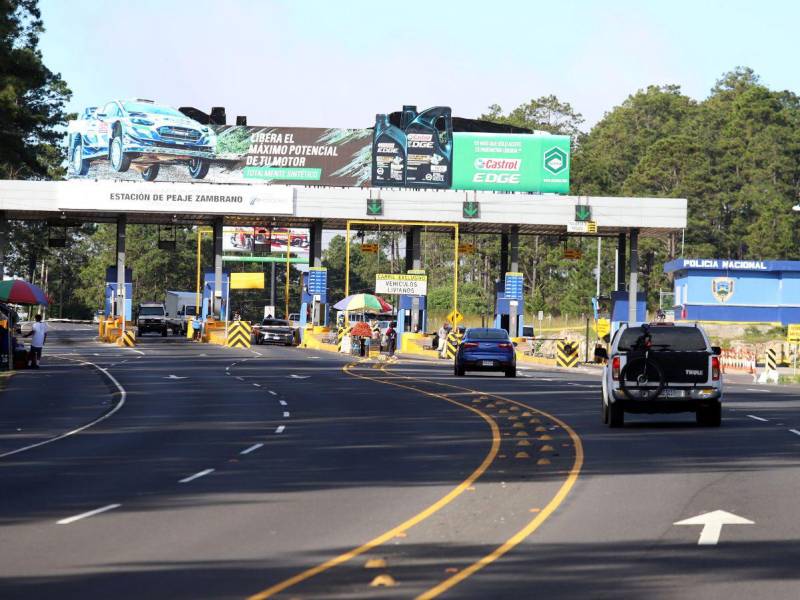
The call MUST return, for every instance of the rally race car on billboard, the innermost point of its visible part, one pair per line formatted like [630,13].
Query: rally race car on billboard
[139,133]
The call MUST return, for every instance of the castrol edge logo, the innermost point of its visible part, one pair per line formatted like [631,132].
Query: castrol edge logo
[498,164]
[500,170]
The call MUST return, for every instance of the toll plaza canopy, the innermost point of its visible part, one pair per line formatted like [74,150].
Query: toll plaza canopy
[331,208]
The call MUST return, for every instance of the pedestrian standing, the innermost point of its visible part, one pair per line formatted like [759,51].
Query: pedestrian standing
[38,333]
[391,338]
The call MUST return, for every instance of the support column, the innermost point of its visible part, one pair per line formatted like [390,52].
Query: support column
[315,251]
[621,263]
[414,262]
[513,255]
[3,243]
[217,303]
[122,222]
[272,288]
[315,260]
[633,286]
[503,258]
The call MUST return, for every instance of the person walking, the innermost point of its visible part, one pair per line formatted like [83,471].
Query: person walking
[38,333]
[391,338]
[443,331]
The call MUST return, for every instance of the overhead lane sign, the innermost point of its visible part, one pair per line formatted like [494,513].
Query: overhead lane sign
[407,285]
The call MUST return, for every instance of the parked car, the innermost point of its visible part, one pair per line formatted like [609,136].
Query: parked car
[141,132]
[662,368]
[275,331]
[486,349]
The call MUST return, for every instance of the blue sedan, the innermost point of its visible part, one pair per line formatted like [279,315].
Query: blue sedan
[484,349]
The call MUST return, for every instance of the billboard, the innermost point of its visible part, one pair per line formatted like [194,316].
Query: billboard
[511,162]
[139,140]
[142,140]
[262,240]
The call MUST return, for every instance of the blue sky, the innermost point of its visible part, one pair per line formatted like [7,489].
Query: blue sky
[338,62]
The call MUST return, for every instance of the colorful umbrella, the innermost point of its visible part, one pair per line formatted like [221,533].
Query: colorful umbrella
[363,302]
[16,291]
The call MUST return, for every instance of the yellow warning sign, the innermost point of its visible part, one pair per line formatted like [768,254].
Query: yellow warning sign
[247,281]
[794,333]
[455,317]
[603,327]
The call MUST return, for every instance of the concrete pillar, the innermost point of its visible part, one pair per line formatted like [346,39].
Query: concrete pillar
[3,243]
[315,239]
[503,258]
[218,268]
[414,262]
[621,263]
[122,222]
[633,286]
[414,248]
[513,256]
[272,295]
[315,260]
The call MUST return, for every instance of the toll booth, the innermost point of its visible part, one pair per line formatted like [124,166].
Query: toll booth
[509,313]
[619,309]
[111,294]
[314,300]
[406,307]
[208,295]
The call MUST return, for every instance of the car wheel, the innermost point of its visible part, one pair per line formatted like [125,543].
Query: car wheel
[709,416]
[198,167]
[512,372]
[80,166]
[616,415]
[120,161]
[150,173]
[164,332]
[604,409]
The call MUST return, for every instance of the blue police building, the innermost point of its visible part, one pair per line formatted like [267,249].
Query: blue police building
[754,291]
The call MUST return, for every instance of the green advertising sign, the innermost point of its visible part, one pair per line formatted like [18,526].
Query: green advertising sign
[511,162]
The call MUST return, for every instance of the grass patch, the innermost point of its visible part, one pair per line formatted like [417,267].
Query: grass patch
[754,335]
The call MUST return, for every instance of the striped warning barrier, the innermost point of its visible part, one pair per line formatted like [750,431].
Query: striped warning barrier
[127,339]
[566,354]
[240,334]
[770,373]
[340,333]
[452,343]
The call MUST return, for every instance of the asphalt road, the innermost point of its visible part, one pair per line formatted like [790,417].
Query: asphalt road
[179,470]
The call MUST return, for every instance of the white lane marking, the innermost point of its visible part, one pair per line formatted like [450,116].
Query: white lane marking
[280,429]
[794,431]
[273,393]
[196,476]
[282,402]
[313,357]
[757,390]
[712,523]
[293,376]
[285,414]
[91,513]
[122,396]
[252,448]
[240,378]
[257,384]
[227,368]
[175,377]
[757,418]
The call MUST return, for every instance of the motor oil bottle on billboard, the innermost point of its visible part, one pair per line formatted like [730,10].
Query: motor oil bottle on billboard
[388,154]
[409,114]
[429,148]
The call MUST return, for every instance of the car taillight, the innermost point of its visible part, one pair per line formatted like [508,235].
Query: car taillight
[504,345]
[470,345]
[615,368]
[715,368]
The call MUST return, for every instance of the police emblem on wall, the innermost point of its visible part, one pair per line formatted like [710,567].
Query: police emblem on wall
[722,288]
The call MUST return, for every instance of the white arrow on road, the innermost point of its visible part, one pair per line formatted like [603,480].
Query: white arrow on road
[712,523]
[175,377]
[299,376]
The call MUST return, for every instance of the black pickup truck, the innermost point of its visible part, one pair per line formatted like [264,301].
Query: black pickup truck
[662,368]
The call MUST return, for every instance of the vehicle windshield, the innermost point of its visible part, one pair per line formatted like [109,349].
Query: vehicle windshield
[497,335]
[276,322]
[152,311]
[152,109]
[686,339]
